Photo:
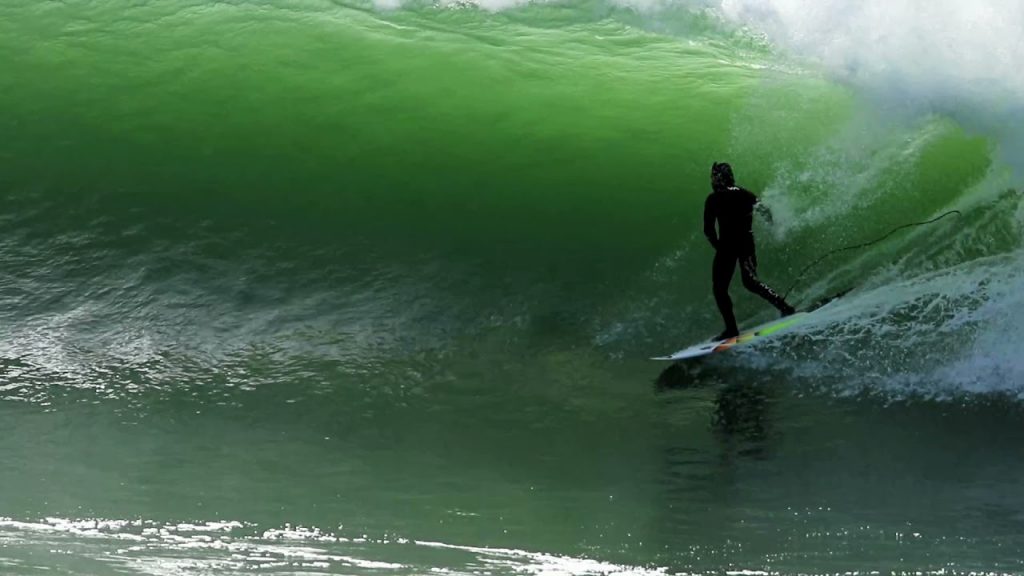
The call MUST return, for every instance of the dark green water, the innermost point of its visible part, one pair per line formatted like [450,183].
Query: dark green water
[318,288]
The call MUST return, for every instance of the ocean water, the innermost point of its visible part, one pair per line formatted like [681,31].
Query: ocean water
[325,287]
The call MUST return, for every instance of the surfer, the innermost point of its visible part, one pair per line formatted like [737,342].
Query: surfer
[733,208]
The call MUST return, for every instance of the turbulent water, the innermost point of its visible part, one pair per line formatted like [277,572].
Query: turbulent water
[314,287]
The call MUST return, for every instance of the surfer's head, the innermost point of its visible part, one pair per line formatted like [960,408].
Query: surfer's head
[721,175]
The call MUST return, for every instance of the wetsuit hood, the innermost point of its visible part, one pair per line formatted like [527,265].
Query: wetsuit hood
[721,176]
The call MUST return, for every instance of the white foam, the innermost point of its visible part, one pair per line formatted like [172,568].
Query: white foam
[960,59]
[541,564]
[939,335]
[231,547]
[931,49]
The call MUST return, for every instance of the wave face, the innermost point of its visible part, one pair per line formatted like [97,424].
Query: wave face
[394,225]
[363,185]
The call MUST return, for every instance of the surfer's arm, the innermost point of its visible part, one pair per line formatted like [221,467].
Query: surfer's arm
[763,210]
[709,223]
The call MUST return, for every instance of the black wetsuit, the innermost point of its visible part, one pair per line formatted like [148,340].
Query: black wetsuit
[733,208]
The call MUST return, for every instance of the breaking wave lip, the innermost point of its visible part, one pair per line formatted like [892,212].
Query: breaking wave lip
[912,58]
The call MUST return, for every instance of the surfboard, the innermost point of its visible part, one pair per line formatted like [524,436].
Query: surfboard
[748,336]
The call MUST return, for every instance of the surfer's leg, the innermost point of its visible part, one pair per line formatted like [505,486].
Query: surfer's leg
[721,275]
[748,271]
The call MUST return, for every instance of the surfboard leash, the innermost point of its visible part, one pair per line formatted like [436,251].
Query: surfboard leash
[864,245]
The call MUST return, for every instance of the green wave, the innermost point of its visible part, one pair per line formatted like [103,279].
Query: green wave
[547,163]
